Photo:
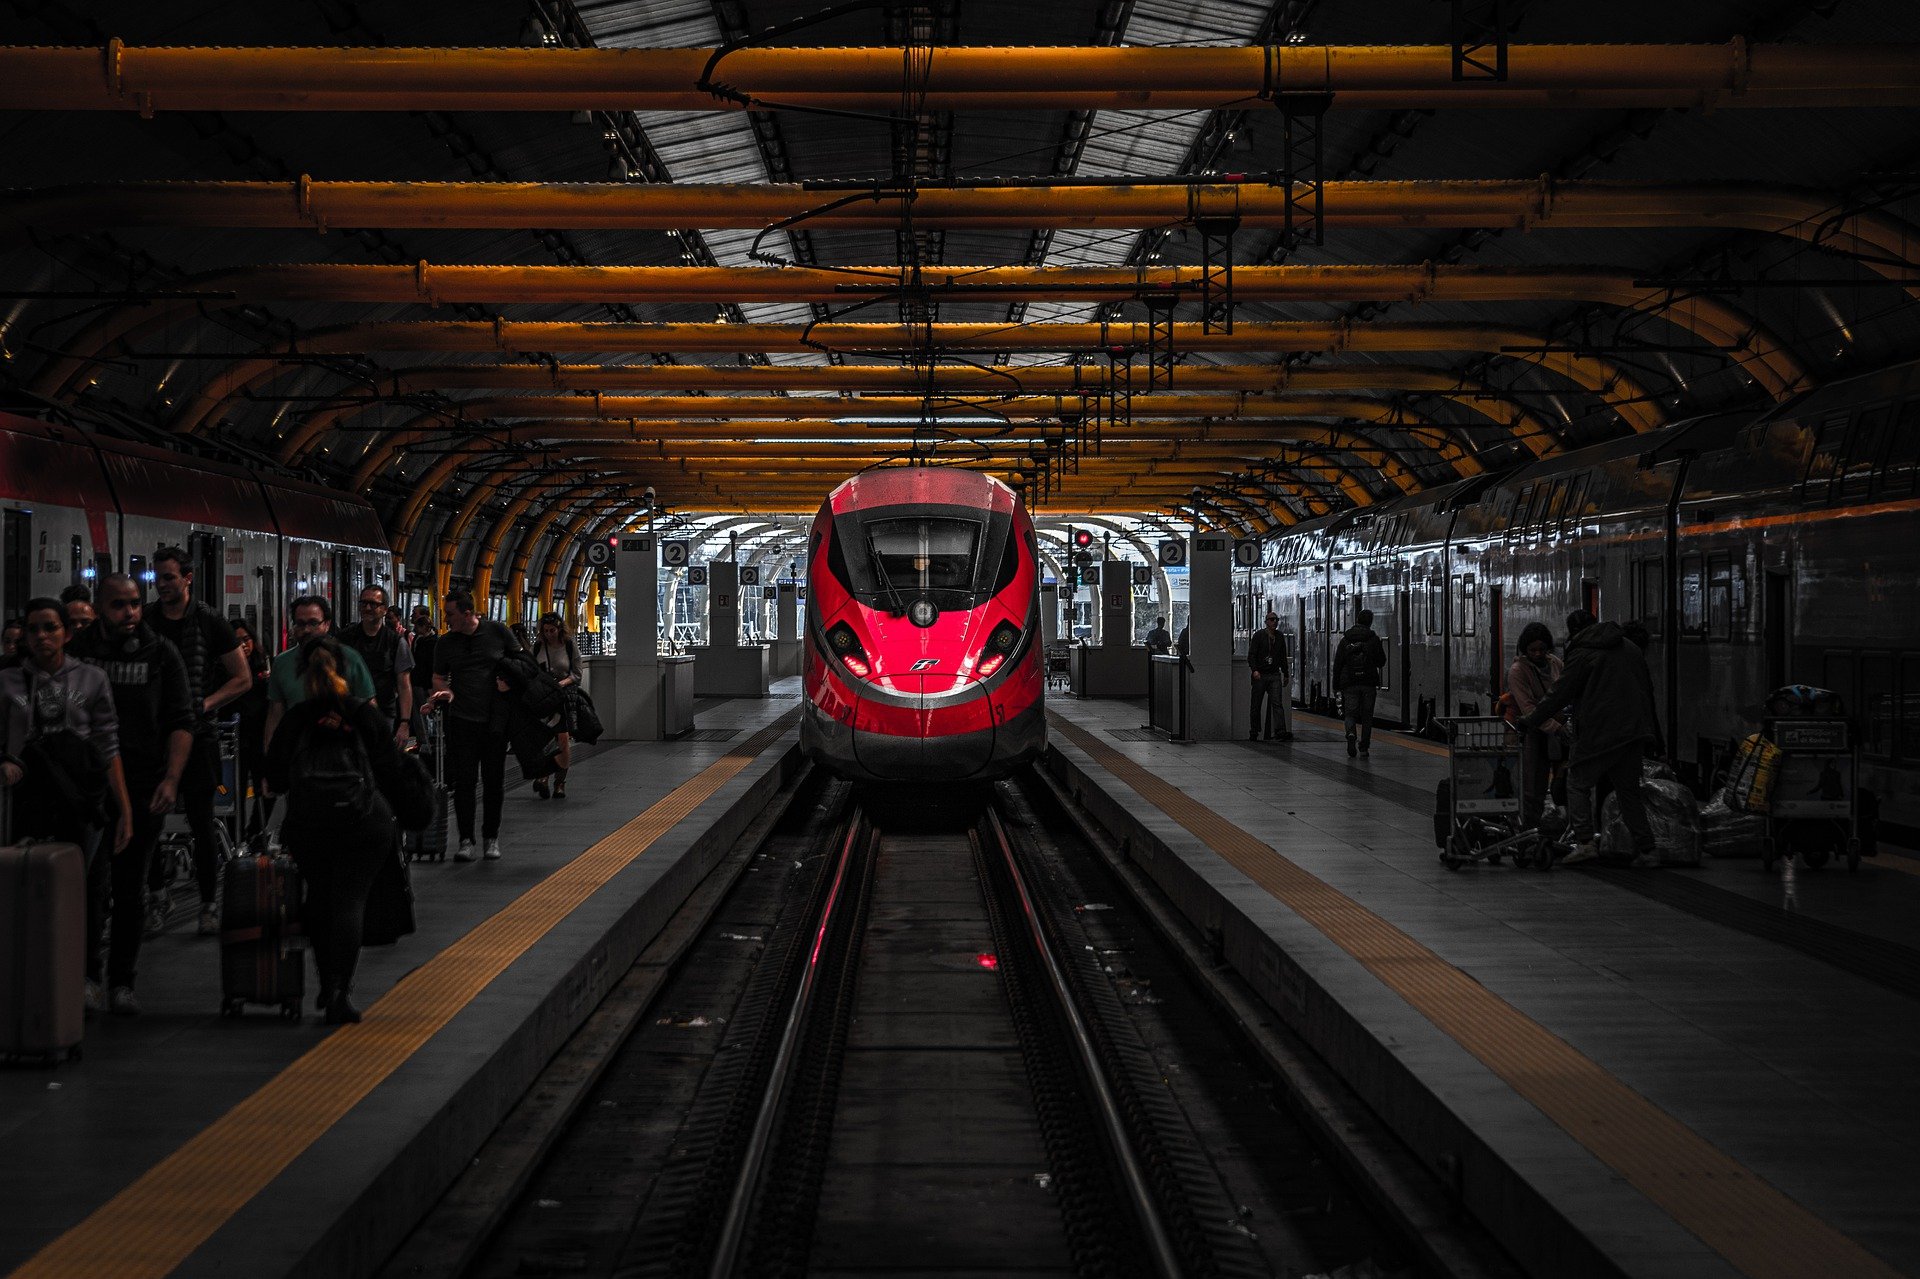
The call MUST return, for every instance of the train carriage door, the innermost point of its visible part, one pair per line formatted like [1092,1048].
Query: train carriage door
[1779,592]
[16,562]
[1405,610]
[1590,597]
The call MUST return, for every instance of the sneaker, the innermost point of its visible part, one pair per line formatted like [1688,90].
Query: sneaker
[1646,861]
[209,920]
[1353,748]
[1586,852]
[493,850]
[341,1011]
[96,998]
[540,787]
[464,853]
[122,1003]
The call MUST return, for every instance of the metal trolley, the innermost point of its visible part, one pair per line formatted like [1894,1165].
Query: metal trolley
[1813,808]
[173,857]
[1479,820]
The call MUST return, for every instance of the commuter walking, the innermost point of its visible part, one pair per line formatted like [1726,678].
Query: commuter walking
[80,615]
[1606,683]
[1159,639]
[62,762]
[12,643]
[422,636]
[252,713]
[1535,670]
[154,738]
[311,616]
[334,757]
[1267,659]
[216,675]
[557,656]
[467,682]
[388,658]
[1357,664]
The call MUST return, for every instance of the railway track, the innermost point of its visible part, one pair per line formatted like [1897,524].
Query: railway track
[907,1040]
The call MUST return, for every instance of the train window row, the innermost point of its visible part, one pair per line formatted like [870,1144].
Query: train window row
[1548,506]
[1865,456]
[1883,688]
[1713,597]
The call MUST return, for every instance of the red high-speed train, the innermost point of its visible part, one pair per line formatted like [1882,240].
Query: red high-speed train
[923,655]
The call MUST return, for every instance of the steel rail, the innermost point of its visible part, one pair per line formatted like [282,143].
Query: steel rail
[733,1224]
[1160,1247]
[1738,73]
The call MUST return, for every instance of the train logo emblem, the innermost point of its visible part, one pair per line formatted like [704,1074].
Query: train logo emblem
[926,664]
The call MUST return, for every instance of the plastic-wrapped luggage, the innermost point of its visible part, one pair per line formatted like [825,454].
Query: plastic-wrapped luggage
[1671,812]
[43,949]
[1727,832]
[1750,780]
[262,950]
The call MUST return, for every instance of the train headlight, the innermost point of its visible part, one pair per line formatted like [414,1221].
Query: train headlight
[846,646]
[1000,645]
[923,613]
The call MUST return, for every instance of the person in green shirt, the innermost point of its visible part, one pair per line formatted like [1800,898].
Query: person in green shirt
[311,616]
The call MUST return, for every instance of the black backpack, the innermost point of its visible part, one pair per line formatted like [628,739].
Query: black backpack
[330,772]
[1354,666]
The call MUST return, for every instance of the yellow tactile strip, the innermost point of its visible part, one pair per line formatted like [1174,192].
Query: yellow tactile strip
[1759,1230]
[1401,740]
[156,1223]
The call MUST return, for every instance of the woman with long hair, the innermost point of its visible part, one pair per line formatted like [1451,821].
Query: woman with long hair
[556,654]
[1535,670]
[333,756]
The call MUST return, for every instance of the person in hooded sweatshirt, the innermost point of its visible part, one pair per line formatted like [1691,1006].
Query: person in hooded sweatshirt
[1606,683]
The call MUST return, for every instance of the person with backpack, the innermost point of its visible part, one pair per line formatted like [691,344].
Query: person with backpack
[388,658]
[334,758]
[467,681]
[557,656]
[62,763]
[1357,664]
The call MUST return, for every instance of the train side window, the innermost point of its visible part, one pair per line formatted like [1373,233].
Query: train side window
[1576,505]
[1693,597]
[1547,516]
[1901,471]
[1836,673]
[1650,594]
[1521,508]
[1907,732]
[1829,442]
[1434,587]
[1877,704]
[1720,597]
[1859,472]
[1463,618]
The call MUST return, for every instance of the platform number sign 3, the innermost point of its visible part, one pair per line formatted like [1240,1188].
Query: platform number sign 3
[599,554]
[697,575]
[675,554]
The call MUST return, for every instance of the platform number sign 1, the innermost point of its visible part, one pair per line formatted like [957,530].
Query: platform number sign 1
[1142,575]
[1246,553]
[1173,554]
[675,554]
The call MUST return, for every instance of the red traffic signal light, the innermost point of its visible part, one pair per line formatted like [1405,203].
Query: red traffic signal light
[1082,538]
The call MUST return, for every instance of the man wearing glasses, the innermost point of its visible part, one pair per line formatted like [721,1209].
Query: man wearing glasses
[389,659]
[311,616]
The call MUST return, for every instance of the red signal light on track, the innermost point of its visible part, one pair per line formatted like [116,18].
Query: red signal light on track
[1082,538]
[987,960]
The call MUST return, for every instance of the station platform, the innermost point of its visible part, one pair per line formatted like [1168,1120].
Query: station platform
[188,1144]
[1648,1073]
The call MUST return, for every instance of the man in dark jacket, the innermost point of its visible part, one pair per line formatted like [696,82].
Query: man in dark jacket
[1357,664]
[1267,659]
[1159,639]
[1606,683]
[153,702]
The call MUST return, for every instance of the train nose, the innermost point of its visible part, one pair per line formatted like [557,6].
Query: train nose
[933,751]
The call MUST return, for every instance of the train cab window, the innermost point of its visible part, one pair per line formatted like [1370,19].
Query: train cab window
[1650,594]
[1693,597]
[1877,706]
[930,553]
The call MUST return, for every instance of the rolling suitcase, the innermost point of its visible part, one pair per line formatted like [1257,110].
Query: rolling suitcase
[43,948]
[429,844]
[262,952]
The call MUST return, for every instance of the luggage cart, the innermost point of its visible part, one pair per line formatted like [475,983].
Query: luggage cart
[1813,808]
[174,852]
[1478,819]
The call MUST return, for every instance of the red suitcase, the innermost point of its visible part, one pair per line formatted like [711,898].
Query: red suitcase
[262,950]
[43,950]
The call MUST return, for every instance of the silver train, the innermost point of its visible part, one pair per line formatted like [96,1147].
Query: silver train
[1758,550]
[77,506]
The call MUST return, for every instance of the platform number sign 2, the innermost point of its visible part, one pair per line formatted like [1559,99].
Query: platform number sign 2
[749,577]
[675,554]
[1173,554]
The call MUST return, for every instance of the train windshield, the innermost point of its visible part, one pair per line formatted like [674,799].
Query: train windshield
[888,558]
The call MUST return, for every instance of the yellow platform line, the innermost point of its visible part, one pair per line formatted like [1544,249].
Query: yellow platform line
[156,1223]
[1759,1230]
[1389,736]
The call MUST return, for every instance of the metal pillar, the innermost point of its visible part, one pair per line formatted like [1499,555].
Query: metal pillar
[635,700]
[1210,688]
